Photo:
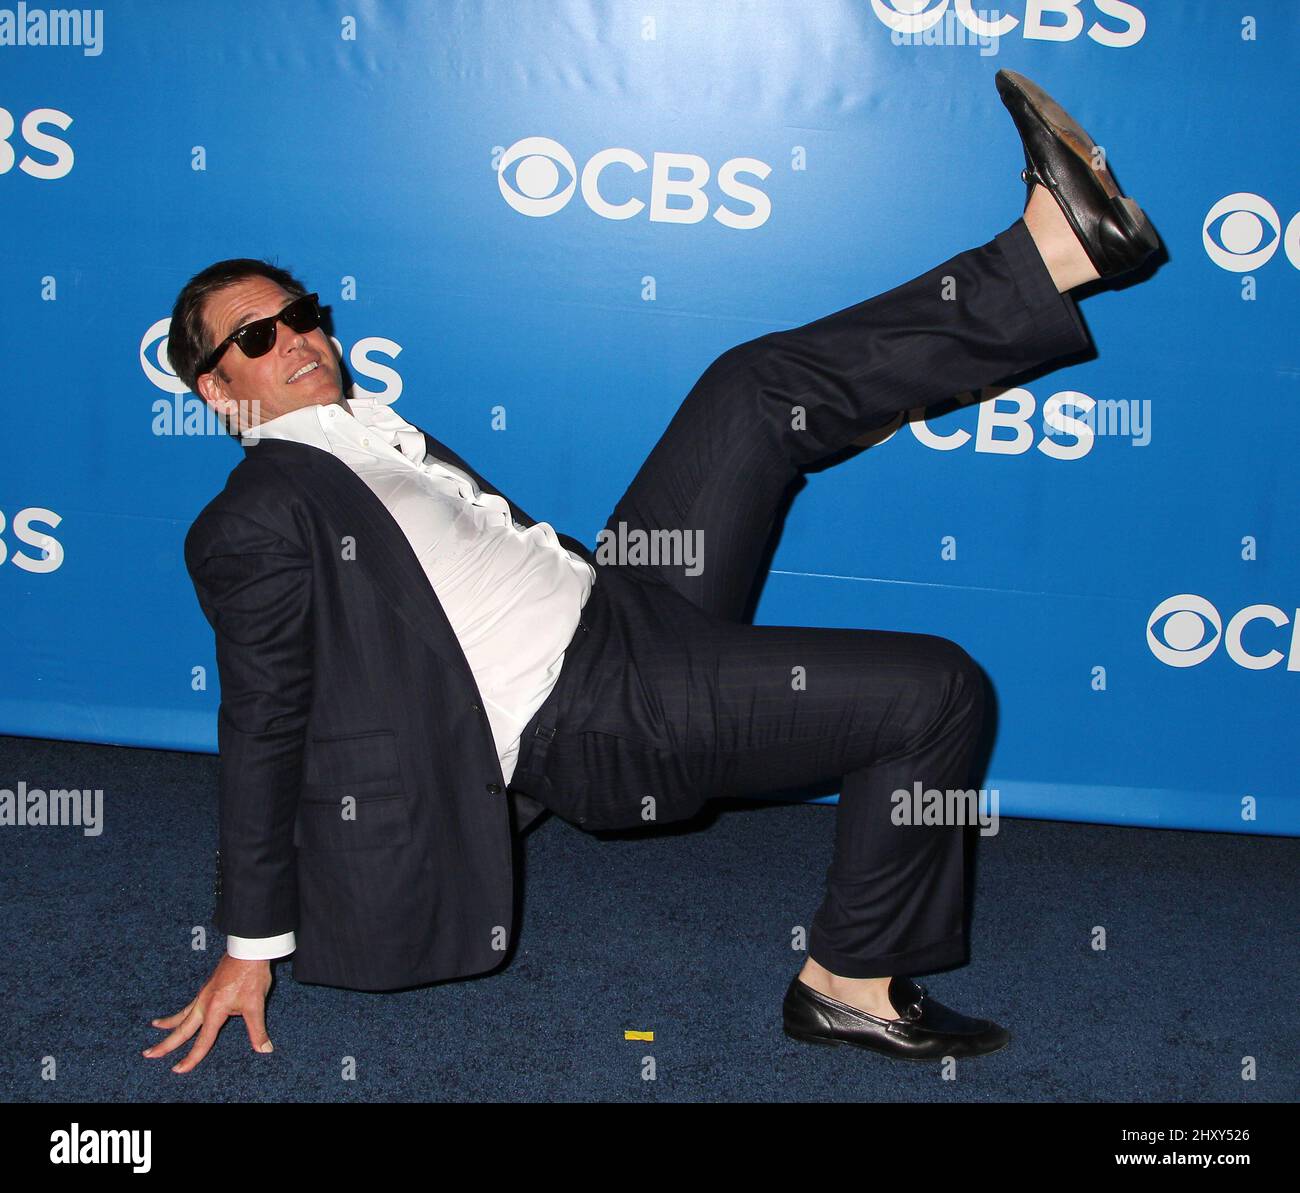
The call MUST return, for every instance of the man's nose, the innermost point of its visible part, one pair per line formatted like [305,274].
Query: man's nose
[288,340]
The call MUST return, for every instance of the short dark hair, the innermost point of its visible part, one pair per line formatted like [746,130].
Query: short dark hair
[188,341]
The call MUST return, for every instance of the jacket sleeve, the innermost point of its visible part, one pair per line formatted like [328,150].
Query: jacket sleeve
[255,590]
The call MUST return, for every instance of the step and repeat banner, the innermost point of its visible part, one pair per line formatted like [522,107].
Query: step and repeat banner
[536,223]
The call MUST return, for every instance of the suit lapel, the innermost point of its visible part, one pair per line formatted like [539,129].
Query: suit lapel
[381,547]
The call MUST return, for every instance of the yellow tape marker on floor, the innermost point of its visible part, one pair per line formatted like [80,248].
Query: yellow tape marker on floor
[638,1035]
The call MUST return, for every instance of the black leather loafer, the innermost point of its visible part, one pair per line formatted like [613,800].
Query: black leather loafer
[925,1030]
[1059,156]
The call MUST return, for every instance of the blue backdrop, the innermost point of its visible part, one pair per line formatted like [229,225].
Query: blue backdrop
[537,223]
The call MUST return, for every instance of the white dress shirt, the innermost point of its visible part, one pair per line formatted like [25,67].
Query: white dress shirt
[513,594]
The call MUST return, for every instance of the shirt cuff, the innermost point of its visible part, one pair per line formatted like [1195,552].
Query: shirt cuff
[260,948]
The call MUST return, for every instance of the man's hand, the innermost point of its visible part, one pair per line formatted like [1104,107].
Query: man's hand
[235,988]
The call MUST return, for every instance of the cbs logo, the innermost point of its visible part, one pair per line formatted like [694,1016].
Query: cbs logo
[529,177]
[1002,426]
[50,550]
[158,368]
[1242,232]
[39,140]
[1186,629]
[910,17]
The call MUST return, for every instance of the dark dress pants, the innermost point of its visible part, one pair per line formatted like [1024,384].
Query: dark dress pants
[666,698]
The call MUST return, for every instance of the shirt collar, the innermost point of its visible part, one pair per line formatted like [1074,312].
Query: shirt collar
[306,425]
[381,418]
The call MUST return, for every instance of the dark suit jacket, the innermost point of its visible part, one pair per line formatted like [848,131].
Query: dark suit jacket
[362,803]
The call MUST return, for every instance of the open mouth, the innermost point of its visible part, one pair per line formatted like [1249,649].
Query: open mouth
[301,373]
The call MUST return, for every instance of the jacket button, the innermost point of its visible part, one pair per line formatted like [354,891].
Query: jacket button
[474,708]
[494,789]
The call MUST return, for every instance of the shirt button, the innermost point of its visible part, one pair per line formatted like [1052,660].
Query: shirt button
[365,443]
[494,789]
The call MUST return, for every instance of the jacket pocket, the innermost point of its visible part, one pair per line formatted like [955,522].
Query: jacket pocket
[352,795]
[365,759]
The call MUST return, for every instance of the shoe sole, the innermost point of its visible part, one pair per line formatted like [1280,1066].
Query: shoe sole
[825,1041]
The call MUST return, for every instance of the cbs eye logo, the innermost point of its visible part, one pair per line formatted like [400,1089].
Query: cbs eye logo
[1185,630]
[154,360]
[536,189]
[1191,630]
[1242,232]
[909,16]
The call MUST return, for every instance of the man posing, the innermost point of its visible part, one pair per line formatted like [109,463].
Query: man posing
[412,668]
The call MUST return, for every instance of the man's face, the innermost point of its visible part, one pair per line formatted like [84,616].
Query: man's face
[258,390]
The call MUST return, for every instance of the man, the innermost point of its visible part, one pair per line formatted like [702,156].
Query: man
[407,659]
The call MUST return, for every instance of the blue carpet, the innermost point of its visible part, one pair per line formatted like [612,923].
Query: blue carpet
[681,931]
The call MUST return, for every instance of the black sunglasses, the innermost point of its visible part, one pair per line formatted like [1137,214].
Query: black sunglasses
[258,337]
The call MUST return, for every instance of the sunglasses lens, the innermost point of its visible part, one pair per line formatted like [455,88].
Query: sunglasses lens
[303,315]
[255,339]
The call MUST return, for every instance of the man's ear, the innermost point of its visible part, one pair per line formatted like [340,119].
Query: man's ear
[213,392]
[209,387]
